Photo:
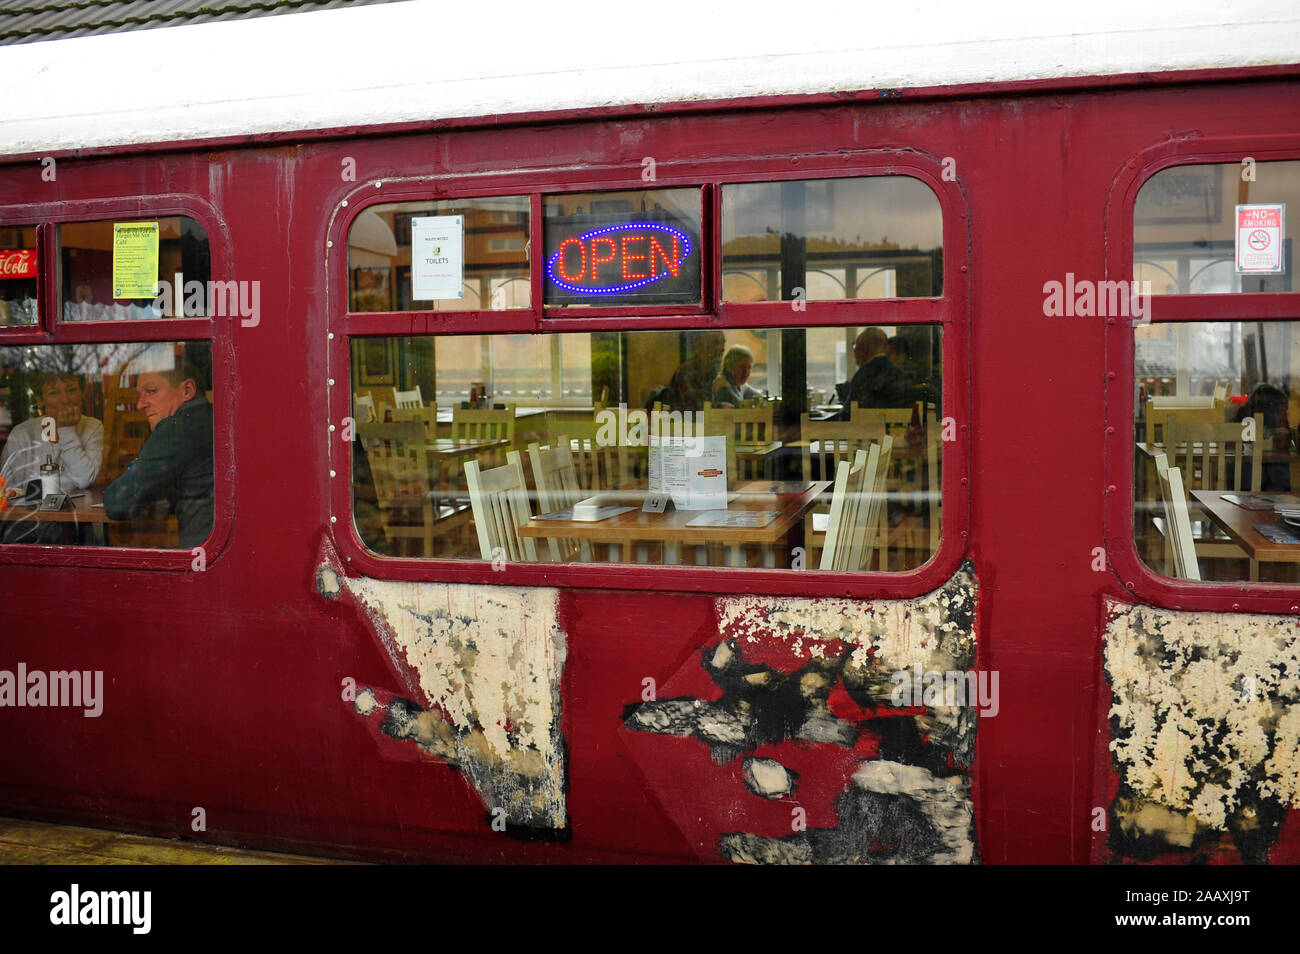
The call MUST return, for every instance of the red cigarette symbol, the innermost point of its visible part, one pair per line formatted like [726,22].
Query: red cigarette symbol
[1258,240]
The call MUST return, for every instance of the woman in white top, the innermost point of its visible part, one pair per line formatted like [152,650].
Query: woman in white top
[78,449]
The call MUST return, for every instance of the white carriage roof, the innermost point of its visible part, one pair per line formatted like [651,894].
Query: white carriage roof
[418,60]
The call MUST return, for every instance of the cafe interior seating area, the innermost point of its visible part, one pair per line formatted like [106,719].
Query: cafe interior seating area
[803,482]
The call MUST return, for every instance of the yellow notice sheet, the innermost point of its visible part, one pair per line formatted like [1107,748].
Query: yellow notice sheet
[135,259]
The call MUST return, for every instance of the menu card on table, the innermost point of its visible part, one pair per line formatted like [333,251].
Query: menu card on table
[693,470]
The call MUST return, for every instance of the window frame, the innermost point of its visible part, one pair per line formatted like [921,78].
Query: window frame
[950,312]
[1118,527]
[52,330]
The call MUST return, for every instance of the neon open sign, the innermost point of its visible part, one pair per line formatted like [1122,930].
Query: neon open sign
[617,259]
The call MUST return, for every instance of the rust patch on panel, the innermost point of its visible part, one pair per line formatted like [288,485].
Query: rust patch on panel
[1205,723]
[482,667]
[817,682]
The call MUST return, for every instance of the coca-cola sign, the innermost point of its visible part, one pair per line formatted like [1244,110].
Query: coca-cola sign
[17,263]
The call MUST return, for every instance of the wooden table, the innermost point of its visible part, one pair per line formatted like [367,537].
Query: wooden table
[1239,523]
[86,509]
[671,530]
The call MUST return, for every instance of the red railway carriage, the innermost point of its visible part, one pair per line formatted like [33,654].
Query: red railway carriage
[901,475]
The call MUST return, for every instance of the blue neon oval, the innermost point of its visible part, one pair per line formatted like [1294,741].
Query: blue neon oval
[552,264]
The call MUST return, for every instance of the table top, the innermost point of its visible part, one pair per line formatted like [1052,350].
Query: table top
[672,526]
[1239,523]
[450,447]
[83,510]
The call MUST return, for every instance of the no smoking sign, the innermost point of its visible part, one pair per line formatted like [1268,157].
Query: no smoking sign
[1259,237]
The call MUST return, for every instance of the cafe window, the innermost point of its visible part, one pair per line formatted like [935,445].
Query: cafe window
[140,269]
[1216,470]
[76,458]
[663,447]
[828,239]
[18,275]
[399,254]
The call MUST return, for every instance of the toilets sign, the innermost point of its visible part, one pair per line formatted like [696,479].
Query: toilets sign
[1260,229]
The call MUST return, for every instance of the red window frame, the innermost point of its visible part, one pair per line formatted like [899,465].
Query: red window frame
[1139,579]
[950,312]
[52,330]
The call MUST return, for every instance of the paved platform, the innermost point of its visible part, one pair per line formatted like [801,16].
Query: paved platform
[37,843]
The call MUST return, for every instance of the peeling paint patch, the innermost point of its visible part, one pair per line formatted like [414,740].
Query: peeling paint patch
[488,661]
[815,674]
[1205,726]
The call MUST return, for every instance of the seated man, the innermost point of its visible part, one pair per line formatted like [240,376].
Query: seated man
[77,446]
[878,381]
[174,471]
[732,387]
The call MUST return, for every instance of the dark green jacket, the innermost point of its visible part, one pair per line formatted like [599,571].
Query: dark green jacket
[174,468]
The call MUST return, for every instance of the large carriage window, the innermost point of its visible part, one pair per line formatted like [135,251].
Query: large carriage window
[490,238]
[819,240]
[18,275]
[106,444]
[1186,226]
[140,269]
[657,447]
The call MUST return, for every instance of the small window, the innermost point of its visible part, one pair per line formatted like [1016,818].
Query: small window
[623,248]
[490,239]
[653,447]
[19,289]
[1185,227]
[124,430]
[828,239]
[123,269]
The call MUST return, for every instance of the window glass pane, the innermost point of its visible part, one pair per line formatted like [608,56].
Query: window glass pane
[1217,406]
[879,237]
[112,270]
[18,275]
[1184,227]
[495,255]
[623,248]
[125,430]
[751,480]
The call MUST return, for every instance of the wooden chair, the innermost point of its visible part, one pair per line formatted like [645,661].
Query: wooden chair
[1179,547]
[483,424]
[426,416]
[855,529]
[499,499]
[1205,454]
[407,504]
[363,409]
[600,466]
[125,431]
[837,441]
[556,480]
[1159,417]
[751,425]
[408,399]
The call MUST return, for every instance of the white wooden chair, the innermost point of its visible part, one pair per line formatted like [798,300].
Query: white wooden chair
[556,481]
[1179,548]
[499,499]
[408,399]
[483,424]
[854,529]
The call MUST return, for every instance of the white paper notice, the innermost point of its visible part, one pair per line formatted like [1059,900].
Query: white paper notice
[1259,237]
[437,257]
[693,470]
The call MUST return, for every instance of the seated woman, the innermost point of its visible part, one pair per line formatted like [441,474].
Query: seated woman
[76,444]
[732,387]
